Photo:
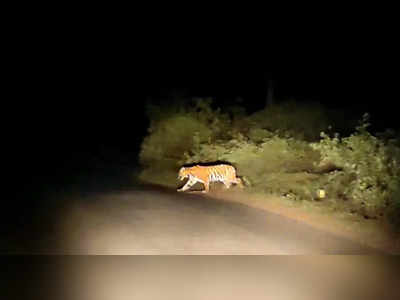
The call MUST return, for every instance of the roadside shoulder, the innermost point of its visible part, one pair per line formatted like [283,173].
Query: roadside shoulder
[371,233]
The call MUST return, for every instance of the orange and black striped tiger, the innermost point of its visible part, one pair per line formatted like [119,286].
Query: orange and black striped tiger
[206,174]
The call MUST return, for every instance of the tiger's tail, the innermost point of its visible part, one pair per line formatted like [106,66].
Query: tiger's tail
[239,182]
[244,181]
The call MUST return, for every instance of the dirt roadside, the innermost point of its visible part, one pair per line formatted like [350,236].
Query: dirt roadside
[371,233]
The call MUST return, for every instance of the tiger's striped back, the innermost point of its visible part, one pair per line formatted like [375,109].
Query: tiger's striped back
[206,174]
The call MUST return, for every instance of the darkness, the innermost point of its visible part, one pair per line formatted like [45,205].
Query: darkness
[77,113]
[74,110]
[73,106]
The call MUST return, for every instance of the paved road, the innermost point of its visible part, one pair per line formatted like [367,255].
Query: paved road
[157,221]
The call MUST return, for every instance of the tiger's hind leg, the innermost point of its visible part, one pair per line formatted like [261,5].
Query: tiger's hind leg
[206,187]
[239,182]
[227,184]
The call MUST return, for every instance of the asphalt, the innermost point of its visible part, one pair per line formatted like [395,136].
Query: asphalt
[152,220]
[158,229]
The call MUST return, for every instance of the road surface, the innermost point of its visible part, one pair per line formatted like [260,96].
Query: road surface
[152,220]
[158,221]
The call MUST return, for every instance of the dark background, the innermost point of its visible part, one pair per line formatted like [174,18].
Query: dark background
[69,109]
[72,109]
[75,111]
[75,91]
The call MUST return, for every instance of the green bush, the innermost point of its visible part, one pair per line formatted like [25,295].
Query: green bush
[371,165]
[176,130]
[170,138]
[272,152]
[257,161]
[303,121]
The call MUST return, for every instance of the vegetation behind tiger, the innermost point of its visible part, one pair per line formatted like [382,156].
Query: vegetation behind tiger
[288,149]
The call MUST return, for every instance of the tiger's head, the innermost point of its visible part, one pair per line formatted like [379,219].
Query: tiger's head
[183,173]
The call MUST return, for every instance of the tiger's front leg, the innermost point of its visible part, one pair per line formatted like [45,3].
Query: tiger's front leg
[188,185]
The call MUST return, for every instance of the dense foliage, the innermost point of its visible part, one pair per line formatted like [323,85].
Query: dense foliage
[370,172]
[289,149]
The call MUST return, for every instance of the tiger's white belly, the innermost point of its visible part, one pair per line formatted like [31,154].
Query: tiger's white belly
[216,178]
[211,178]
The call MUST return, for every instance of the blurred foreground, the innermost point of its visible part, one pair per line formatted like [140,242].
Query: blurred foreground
[202,277]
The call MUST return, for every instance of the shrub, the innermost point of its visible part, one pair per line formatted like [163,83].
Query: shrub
[170,138]
[371,165]
[303,121]
[272,152]
[256,162]
[179,129]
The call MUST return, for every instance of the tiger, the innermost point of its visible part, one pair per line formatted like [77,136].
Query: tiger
[206,174]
